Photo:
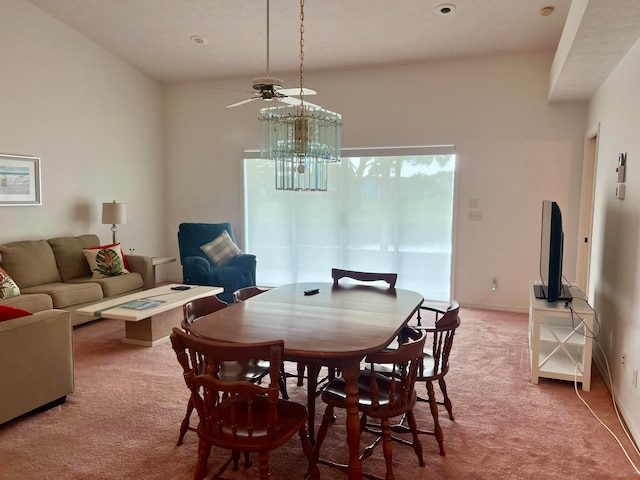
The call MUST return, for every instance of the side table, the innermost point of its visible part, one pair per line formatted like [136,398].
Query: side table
[155,261]
[560,338]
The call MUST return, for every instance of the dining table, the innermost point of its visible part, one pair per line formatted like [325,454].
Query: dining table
[321,324]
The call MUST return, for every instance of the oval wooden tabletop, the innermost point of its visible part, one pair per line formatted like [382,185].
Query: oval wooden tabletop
[337,322]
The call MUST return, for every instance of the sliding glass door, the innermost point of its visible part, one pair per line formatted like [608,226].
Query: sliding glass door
[385,210]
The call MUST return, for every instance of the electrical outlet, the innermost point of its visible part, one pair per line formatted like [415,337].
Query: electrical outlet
[623,359]
[475,216]
[635,378]
[494,284]
[474,203]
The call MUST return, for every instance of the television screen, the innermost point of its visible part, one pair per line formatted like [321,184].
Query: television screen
[551,248]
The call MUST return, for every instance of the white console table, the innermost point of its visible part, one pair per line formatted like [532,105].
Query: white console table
[560,338]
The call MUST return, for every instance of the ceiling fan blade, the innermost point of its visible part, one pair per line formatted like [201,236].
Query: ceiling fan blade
[297,101]
[296,91]
[230,90]
[243,102]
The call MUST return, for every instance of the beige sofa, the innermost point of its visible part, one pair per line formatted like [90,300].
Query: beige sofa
[36,362]
[54,273]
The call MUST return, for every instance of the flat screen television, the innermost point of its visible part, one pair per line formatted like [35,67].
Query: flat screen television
[551,247]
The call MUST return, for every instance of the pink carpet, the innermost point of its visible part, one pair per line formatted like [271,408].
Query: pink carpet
[122,420]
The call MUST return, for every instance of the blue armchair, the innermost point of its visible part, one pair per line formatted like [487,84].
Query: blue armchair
[197,267]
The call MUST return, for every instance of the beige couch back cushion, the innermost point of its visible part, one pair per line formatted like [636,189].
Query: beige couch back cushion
[29,262]
[69,257]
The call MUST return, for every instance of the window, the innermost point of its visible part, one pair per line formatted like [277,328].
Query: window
[385,210]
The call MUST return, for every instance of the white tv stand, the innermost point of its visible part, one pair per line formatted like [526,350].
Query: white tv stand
[559,339]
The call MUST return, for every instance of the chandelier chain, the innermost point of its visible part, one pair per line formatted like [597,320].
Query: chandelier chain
[301,52]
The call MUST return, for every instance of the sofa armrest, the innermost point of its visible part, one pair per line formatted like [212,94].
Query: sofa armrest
[144,266]
[36,362]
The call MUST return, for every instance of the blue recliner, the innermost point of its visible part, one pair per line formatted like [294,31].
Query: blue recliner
[197,267]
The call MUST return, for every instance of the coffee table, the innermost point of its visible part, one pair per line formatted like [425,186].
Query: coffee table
[153,325]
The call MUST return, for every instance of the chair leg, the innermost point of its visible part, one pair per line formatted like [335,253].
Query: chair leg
[387,448]
[417,446]
[264,465]
[322,431]
[447,402]
[300,373]
[235,455]
[184,426]
[437,431]
[282,382]
[313,471]
[204,449]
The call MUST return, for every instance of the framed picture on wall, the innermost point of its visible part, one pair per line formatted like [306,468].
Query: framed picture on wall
[19,181]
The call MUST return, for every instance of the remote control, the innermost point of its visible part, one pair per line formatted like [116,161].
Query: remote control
[312,291]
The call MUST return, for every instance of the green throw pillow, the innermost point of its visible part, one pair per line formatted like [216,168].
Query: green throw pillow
[105,261]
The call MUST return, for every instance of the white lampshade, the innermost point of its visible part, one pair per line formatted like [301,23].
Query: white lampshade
[114,213]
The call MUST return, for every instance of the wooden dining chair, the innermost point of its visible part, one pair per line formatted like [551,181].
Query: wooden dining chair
[337,274]
[244,294]
[435,365]
[437,312]
[381,397]
[247,292]
[239,416]
[250,371]
[450,311]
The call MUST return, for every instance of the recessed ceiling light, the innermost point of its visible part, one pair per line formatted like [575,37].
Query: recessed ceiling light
[198,40]
[546,11]
[445,8]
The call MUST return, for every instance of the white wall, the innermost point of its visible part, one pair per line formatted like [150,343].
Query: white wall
[95,122]
[614,278]
[514,150]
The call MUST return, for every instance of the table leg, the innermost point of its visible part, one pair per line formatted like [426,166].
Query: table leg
[312,375]
[350,373]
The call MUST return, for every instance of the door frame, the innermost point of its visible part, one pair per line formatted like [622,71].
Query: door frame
[587,196]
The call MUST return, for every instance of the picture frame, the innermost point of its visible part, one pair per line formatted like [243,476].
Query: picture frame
[20,183]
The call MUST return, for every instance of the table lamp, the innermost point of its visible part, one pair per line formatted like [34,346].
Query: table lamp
[114,214]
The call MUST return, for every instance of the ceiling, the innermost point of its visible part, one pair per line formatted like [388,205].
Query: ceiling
[155,36]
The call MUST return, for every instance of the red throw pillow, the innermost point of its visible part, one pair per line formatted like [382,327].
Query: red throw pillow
[8,313]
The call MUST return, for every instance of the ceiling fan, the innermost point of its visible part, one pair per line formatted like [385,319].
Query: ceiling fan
[271,88]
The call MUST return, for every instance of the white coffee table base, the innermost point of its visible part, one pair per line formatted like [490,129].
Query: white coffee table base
[153,330]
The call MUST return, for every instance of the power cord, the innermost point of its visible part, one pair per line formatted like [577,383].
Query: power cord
[595,336]
[615,407]
[568,305]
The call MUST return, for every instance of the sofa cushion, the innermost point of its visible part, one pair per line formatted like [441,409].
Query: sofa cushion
[9,313]
[67,294]
[105,261]
[69,257]
[8,287]
[34,302]
[29,262]
[115,285]
[221,249]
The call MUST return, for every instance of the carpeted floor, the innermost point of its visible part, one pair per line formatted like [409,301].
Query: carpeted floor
[122,420]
